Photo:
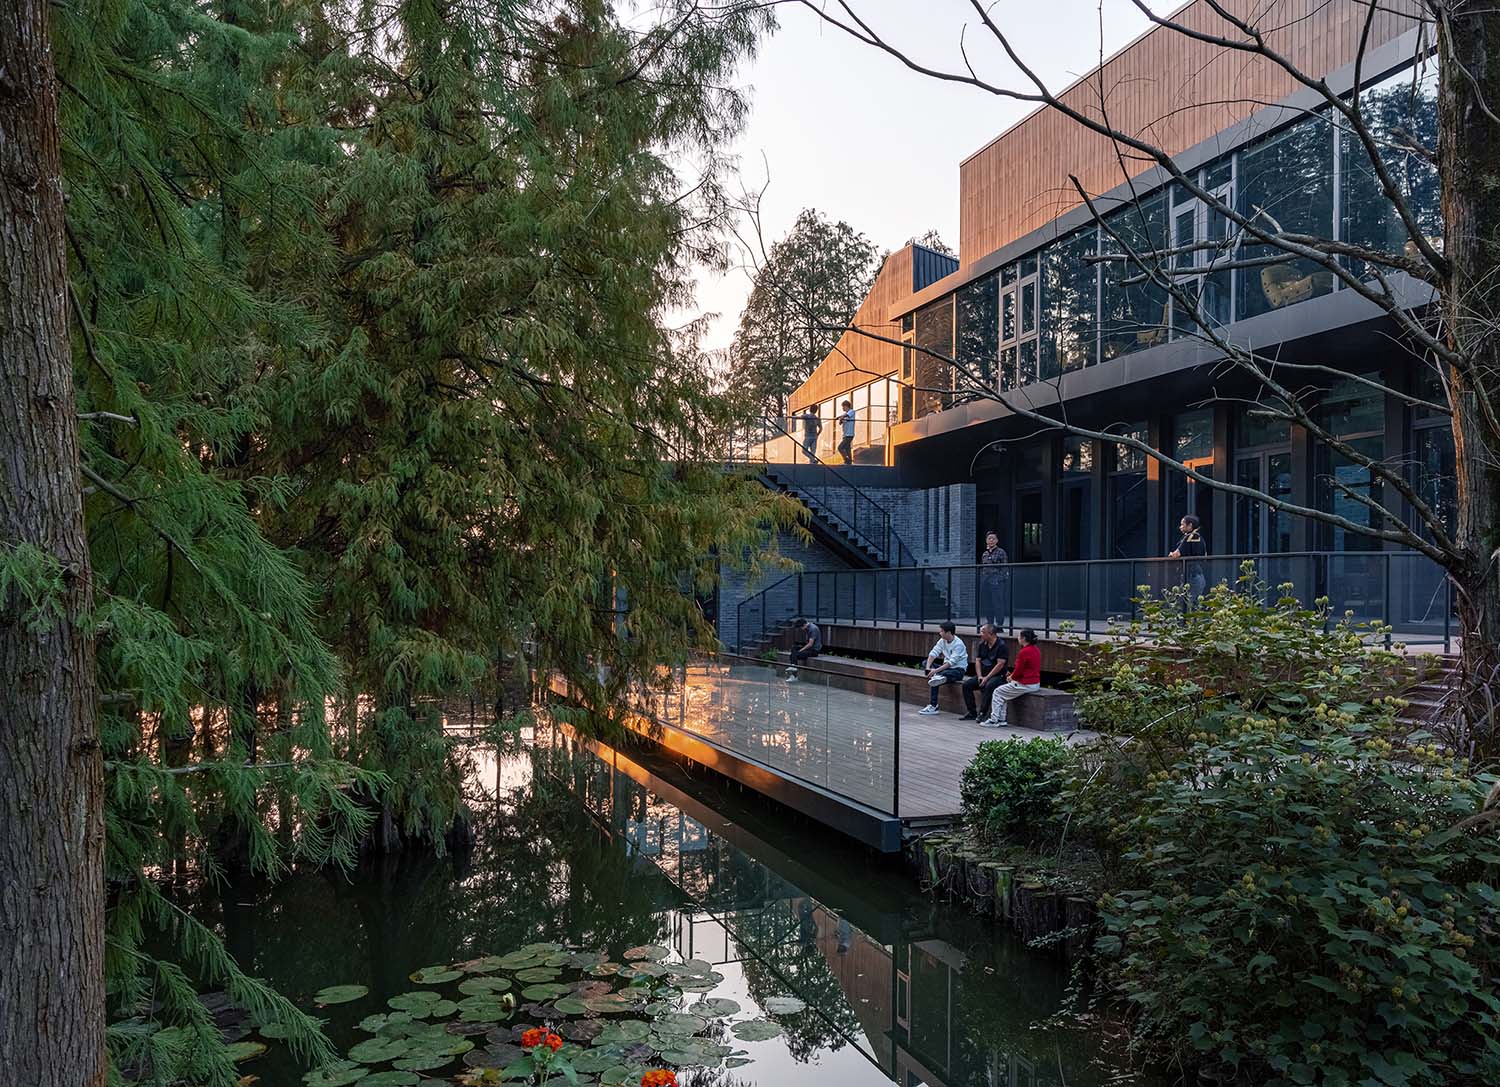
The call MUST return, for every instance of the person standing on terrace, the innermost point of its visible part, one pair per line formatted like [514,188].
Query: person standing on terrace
[812,426]
[994,580]
[847,422]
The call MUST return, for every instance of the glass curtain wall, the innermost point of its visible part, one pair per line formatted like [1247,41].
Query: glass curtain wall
[1355,413]
[1127,497]
[1192,444]
[1056,311]
[1262,460]
[976,337]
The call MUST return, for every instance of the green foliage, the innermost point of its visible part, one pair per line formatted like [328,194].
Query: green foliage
[31,582]
[368,330]
[1248,645]
[1303,890]
[1010,789]
[808,287]
[1307,900]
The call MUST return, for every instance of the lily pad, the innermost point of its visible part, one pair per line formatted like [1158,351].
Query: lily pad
[654,952]
[339,994]
[462,1029]
[581,1030]
[546,991]
[570,1005]
[391,1079]
[483,986]
[621,1031]
[716,1007]
[501,1055]
[645,968]
[621,1075]
[245,1051]
[423,1062]
[374,1024]
[435,975]
[518,960]
[338,1074]
[680,1023]
[414,1003]
[755,1030]
[539,973]
[783,1005]
[605,969]
[486,965]
[705,984]
[277,1032]
[379,1050]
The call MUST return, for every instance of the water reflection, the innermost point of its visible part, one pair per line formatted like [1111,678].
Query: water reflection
[607,852]
[962,1008]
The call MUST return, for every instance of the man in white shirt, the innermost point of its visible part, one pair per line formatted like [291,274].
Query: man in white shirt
[846,443]
[946,663]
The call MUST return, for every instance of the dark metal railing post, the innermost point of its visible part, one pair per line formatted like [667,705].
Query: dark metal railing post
[1387,601]
[896,753]
[921,601]
[1448,614]
[1088,597]
[1047,602]
[950,594]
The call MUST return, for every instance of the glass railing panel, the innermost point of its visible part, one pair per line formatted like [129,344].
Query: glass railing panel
[834,731]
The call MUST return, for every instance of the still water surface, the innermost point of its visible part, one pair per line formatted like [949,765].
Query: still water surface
[622,850]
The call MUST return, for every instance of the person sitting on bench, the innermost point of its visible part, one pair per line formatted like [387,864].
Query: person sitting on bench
[1026,678]
[946,663]
[807,642]
[990,665]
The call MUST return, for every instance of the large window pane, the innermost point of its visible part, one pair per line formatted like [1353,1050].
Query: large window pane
[1069,303]
[1286,182]
[934,373]
[1135,316]
[1398,110]
[978,333]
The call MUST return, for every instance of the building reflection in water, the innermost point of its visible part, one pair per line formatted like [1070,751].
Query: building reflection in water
[927,994]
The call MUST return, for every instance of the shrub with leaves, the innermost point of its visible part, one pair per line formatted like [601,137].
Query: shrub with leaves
[1010,788]
[1308,900]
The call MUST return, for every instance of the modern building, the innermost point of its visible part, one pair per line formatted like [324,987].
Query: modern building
[1036,320]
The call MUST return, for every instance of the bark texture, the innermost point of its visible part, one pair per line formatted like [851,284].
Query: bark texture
[1469,163]
[51,773]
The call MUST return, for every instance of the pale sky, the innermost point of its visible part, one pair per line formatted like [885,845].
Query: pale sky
[844,128]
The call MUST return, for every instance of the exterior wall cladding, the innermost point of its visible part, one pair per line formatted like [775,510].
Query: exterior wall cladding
[1050,328]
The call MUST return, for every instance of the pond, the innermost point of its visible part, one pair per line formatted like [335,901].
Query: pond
[865,980]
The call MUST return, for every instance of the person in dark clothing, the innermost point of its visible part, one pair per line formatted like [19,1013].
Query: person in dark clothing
[1192,549]
[807,643]
[846,425]
[994,581]
[812,426]
[991,663]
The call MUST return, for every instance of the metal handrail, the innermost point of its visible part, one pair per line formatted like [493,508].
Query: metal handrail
[1402,590]
[891,545]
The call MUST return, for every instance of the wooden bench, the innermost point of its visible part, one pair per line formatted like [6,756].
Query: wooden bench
[1048,710]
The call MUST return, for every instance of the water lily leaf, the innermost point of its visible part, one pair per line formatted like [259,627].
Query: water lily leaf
[485,1009]
[557,958]
[680,1023]
[605,969]
[755,1030]
[570,1005]
[542,948]
[441,1010]
[623,1030]
[701,985]
[423,1062]
[609,1003]
[581,1030]
[716,1007]
[338,1074]
[482,986]
[783,1005]
[435,975]
[413,1001]
[584,960]
[546,991]
[645,968]
[462,1029]
[390,1079]
[378,1050]
[339,994]
[736,1062]
[244,1051]
[374,1024]
[654,952]
[277,1032]
[621,1075]
[517,960]
[538,973]
[486,965]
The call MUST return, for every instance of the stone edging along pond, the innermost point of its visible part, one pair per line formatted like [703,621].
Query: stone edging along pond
[1041,910]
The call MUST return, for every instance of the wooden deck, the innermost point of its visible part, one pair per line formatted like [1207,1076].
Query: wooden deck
[849,738]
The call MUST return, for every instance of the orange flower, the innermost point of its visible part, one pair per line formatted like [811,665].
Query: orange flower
[533,1037]
[552,1042]
[659,1077]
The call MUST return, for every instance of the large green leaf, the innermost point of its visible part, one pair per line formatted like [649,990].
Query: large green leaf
[339,994]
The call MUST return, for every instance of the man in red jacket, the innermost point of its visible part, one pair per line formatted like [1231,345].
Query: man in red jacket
[1025,678]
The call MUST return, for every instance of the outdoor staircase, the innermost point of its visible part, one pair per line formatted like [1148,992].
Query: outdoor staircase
[1425,698]
[830,527]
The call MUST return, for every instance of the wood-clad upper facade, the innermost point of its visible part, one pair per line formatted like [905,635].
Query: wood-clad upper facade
[1173,90]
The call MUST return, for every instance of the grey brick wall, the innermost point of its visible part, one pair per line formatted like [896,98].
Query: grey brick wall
[735,586]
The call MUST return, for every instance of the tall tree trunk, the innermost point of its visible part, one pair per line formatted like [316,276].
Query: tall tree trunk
[1469,165]
[51,772]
